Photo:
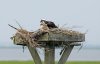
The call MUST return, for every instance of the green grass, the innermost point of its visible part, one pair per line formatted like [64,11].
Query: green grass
[84,62]
[31,62]
[16,62]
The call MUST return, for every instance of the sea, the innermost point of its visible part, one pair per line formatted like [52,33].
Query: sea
[18,54]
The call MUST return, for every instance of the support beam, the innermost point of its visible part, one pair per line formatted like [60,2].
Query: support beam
[65,55]
[50,55]
[34,54]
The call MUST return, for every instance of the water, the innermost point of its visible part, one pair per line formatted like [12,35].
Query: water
[18,54]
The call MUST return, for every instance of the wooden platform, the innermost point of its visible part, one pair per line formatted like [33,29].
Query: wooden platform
[48,39]
[62,37]
[54,39]
[49,42]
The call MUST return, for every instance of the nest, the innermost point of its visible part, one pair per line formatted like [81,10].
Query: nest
[24,37]
[33,38]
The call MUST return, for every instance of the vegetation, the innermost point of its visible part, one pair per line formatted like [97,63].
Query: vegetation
[16,62]
[84,62]
[31,62]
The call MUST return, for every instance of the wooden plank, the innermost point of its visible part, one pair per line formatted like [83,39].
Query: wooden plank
[50,55]
[54,37]
[34,55]
[62,37]
[65,55]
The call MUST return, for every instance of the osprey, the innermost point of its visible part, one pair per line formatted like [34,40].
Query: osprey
[44,27]
[49,24]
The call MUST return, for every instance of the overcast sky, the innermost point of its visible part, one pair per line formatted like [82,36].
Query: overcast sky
[81,15]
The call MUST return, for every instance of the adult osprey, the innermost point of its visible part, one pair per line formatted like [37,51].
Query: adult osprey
[49,24]
[44,27]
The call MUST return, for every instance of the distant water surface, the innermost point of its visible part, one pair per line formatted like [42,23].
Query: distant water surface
[18,54]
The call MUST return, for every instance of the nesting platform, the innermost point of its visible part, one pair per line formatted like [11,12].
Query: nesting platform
[56,38]
[50,41]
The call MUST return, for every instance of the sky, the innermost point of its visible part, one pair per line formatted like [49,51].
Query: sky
[80,15]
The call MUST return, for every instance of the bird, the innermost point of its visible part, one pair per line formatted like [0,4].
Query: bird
[49,24]
[44,27]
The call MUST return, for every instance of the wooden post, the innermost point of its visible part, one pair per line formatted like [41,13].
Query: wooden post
[50,55]
[65,55]
[34,54]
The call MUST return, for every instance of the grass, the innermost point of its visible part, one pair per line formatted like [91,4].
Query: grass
[84,62]
[31,62]
[16,62]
